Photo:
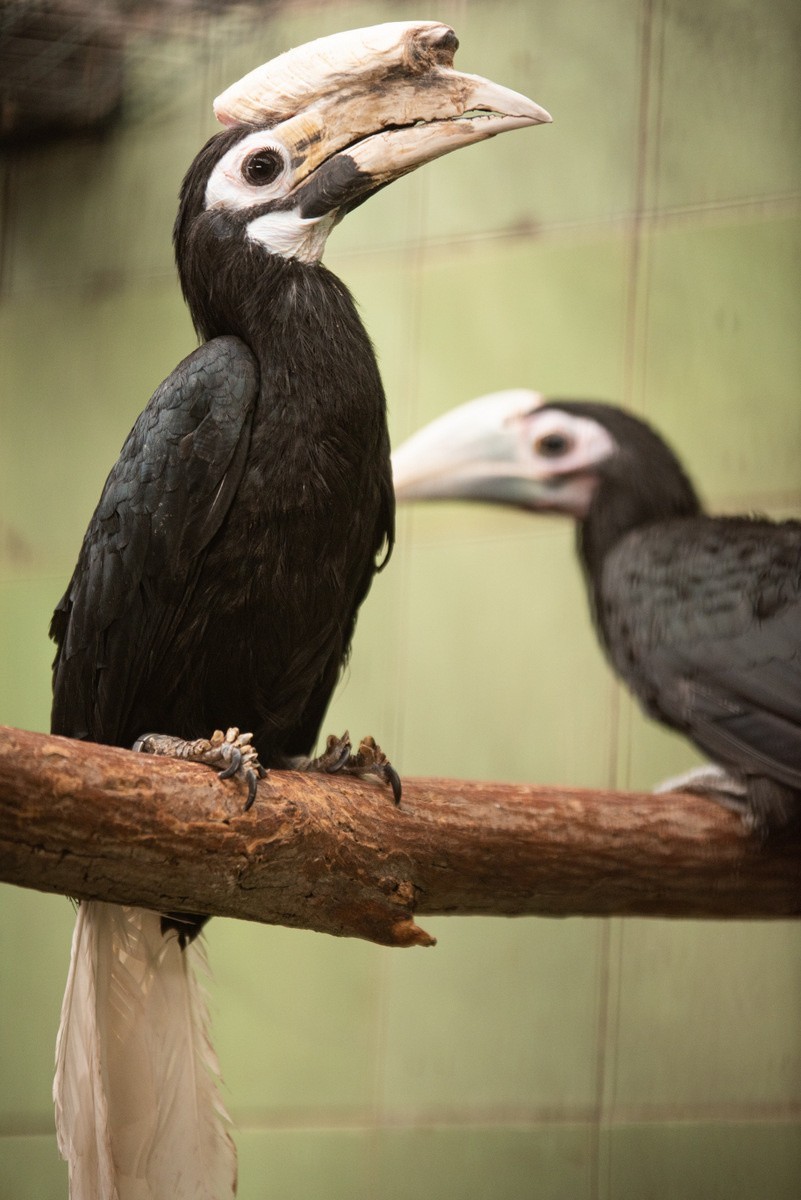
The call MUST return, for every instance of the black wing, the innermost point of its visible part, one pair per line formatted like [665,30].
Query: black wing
[703,620]
[373,527]
[162,503]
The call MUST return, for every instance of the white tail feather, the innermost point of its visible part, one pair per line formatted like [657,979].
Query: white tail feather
[138,1113]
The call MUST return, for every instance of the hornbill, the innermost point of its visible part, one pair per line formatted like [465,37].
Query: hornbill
[236,536]
[700,616]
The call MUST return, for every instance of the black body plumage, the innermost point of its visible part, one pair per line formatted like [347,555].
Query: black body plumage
[699,615]
[221,573]
[217,588]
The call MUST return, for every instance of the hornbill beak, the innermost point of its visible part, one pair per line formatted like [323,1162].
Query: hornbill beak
[514,448]
[359,109]
[478,451]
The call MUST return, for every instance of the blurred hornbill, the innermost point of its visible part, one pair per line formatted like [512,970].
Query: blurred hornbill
[700,616]
[219,579]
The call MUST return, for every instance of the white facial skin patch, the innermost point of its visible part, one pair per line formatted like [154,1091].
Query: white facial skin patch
[283,232]
[229,188]
[505,447]
[292,236]
[587,444]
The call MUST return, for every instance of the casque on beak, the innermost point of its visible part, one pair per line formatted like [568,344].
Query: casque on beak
[359,109]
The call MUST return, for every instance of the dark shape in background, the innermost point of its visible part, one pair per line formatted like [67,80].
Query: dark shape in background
[65,65]
[62,69]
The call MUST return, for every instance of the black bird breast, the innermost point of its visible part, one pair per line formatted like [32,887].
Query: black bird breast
[702,619]
[236,536]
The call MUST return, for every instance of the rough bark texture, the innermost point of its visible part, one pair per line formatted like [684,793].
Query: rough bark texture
[335,855]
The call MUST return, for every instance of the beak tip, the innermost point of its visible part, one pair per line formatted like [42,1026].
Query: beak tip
[538,114]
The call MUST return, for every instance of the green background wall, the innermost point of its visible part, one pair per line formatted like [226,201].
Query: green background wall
[645,249]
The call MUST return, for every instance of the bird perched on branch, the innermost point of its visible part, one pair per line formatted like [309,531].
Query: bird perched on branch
[700,616]
[238,533]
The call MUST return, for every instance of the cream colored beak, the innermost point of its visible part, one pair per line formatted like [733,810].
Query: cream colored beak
[470,452]
[387,94]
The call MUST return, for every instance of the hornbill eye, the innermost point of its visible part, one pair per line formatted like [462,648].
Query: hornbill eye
[262,167]
[553,445]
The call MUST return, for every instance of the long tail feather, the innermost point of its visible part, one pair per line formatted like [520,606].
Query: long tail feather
[138,1112]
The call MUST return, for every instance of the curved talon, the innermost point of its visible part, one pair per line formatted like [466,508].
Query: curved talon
[335,757]
[252,775]
[344,748]
[338,759]
[394,780]
[232,749]
[251,778]
[234,765]
[384,771]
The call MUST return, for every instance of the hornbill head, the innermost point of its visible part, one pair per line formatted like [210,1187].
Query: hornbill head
[516,448]
[314,132]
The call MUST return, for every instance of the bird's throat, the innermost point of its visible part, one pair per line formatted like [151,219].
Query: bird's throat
[292,236]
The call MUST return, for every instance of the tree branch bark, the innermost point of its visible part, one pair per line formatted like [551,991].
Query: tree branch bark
[335,855]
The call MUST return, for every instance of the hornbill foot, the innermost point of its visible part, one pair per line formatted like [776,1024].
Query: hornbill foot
[230,752]
[337,759]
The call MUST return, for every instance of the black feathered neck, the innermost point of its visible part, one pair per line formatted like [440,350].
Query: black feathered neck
[232,284]
[641,484]
[295,316]
[321,413]
[195,271]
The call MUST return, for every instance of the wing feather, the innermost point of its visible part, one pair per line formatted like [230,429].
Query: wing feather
[703,620]
[162,504]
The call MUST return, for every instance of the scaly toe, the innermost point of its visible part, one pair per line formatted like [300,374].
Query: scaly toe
[230,753]
[370,759]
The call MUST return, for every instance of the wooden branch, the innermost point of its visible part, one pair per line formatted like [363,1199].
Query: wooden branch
[335,855]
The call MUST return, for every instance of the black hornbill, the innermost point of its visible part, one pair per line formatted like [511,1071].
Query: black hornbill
[236,536]
[700,616]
